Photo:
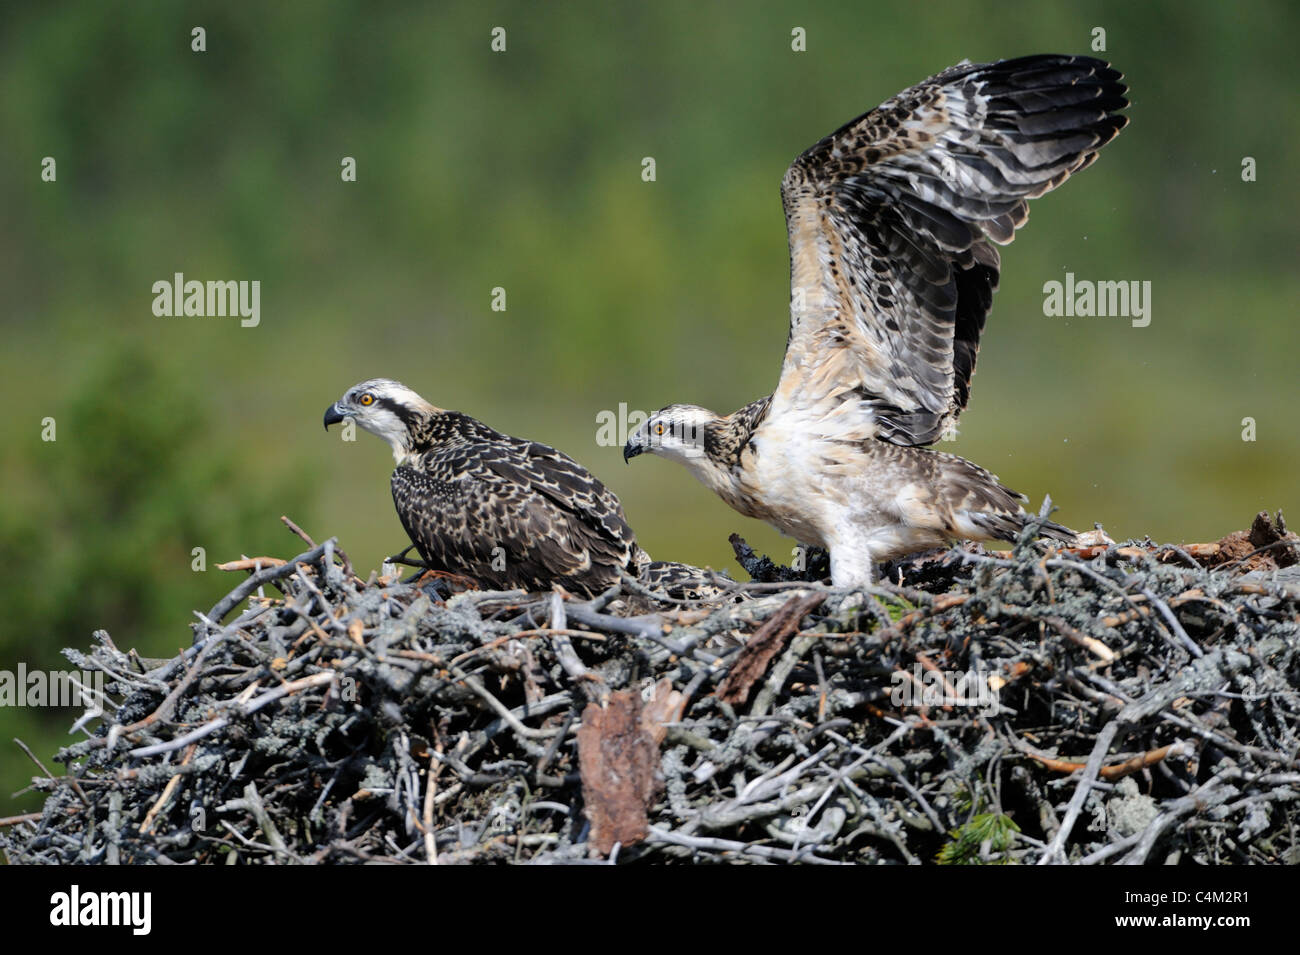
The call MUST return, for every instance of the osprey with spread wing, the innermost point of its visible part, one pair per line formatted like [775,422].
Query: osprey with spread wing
[892,222]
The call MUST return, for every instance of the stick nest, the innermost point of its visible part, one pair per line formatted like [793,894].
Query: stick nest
[1113,703]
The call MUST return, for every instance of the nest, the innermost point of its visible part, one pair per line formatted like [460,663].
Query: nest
[1116,703]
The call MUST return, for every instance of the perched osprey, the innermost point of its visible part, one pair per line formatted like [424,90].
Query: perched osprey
[506,511]
[892,220]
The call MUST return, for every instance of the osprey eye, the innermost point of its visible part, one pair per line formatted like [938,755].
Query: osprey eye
[367,399]
[659,429]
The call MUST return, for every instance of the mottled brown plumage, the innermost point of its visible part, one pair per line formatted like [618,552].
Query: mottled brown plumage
[509,512]
[893,221]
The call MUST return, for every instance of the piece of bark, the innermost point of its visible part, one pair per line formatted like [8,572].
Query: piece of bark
[765,643]
[618,757]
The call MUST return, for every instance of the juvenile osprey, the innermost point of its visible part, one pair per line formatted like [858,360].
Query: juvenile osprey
[506,511]
[891,222]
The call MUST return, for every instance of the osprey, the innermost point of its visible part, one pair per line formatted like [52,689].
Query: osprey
[506,511]
[891,222]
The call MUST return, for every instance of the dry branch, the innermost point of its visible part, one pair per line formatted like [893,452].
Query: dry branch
[418,722]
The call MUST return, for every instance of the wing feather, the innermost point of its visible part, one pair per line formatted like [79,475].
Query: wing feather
[891,220]
[514,513]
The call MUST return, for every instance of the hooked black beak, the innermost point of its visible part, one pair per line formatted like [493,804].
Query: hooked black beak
[333,416]
[631,450]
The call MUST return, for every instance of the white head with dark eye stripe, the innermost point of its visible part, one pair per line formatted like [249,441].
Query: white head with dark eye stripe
[678,432]
[383,407]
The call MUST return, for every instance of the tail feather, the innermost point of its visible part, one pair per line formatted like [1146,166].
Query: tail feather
[681,581]
[1008,527]
[982,506]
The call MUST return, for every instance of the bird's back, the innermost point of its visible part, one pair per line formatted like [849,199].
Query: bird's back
[510,512]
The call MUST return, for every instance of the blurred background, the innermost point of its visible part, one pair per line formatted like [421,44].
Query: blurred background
[522,170]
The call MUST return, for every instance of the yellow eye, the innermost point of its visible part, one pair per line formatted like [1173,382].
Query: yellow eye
[659,429]
[367,399]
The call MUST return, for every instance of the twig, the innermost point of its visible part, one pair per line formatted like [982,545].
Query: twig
[1055,849]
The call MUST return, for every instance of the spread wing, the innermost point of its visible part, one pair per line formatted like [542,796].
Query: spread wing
[892,219]
[514,513]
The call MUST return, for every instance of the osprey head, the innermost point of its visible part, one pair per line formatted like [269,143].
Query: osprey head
[676,432]
[384,407]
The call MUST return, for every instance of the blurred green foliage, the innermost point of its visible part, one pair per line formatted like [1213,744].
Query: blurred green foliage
[131,506]
[522,170]
[128,490]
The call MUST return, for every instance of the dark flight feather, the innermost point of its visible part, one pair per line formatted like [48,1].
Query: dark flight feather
[892,216]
